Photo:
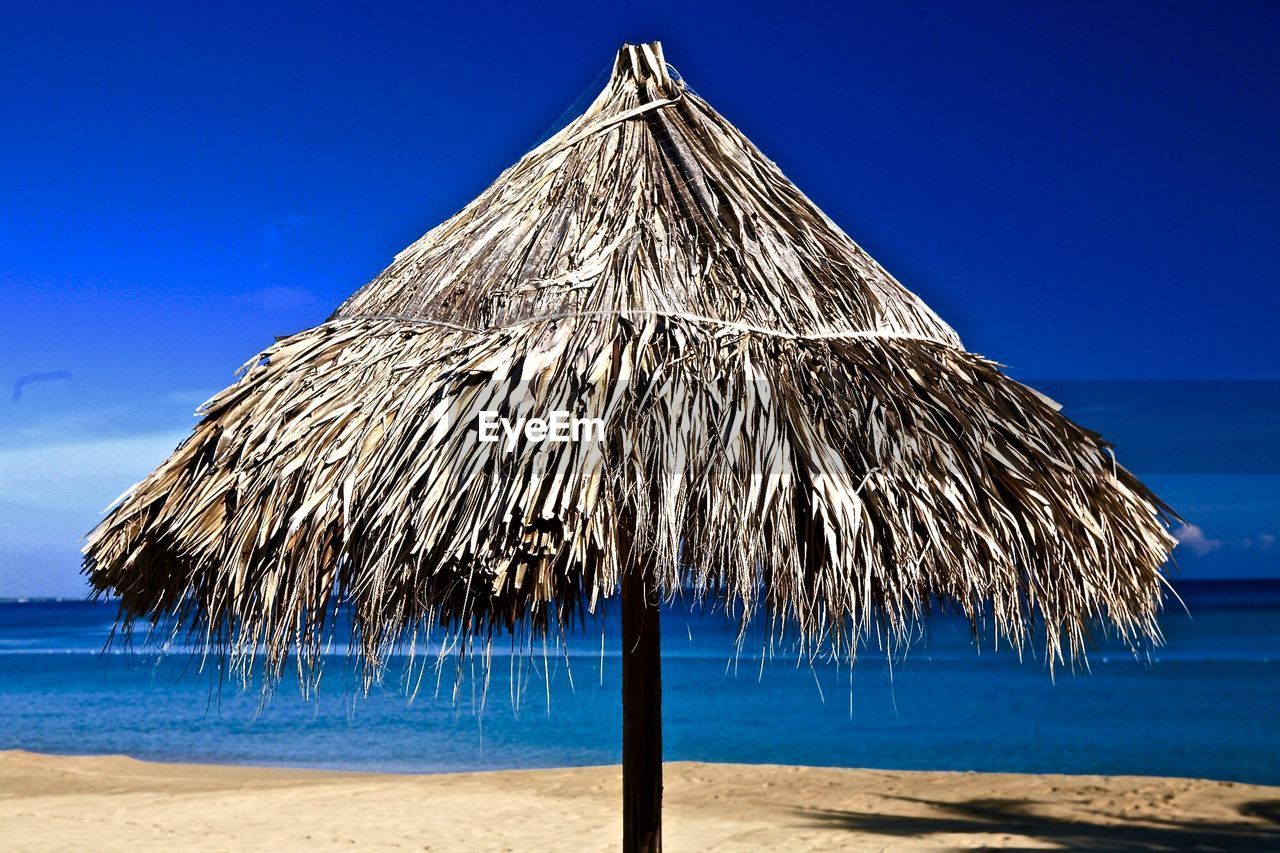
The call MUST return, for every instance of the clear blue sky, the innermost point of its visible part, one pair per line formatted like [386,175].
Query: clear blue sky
[1084,190]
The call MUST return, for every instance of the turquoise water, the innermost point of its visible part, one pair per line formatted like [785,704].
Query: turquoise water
[1206,704]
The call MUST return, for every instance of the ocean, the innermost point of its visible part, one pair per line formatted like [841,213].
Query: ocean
[1206,704]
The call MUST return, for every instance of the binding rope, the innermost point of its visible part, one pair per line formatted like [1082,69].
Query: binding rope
[728,325]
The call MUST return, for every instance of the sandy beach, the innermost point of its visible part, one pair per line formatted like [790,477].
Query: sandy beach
[116,803]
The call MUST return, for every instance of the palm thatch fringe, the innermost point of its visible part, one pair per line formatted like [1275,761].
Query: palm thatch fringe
[841,483]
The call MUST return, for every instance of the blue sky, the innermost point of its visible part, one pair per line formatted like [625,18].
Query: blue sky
[1085,191]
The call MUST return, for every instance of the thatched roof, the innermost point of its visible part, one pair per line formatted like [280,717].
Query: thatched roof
[788,428]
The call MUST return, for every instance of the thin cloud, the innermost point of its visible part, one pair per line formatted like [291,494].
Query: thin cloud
[279,298]
[284,226]
[1192,536]
[1261,542]
[80,475]
[1200,544]
[52,494]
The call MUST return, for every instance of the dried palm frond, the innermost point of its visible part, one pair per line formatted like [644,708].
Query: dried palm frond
[787,429]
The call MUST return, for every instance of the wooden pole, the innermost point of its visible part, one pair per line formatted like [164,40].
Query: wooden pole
[641,715]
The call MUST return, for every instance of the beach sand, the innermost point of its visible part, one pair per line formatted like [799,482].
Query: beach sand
[115,803]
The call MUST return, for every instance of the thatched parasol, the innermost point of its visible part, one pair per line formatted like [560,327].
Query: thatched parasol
[786,429]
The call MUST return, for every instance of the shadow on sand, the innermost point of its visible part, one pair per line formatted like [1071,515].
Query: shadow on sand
[1258,829]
